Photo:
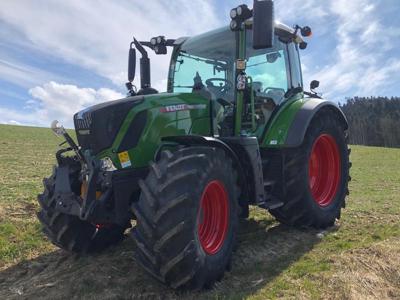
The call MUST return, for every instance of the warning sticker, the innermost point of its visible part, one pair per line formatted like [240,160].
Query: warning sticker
[124,159]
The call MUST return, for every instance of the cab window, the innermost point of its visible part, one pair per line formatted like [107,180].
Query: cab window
[295,66]
[268,69]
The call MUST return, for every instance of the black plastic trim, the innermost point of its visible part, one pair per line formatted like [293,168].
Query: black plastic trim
[303,118]
[134,132]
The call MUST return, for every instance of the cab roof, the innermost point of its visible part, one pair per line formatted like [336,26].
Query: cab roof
[280,29]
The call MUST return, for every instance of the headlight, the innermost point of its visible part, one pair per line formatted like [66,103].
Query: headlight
[234,25]
[107,164]
[57,128]
[153,41]
[233,13]
[241,13]
[159,40]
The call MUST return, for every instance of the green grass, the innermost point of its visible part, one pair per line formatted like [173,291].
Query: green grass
[273,261]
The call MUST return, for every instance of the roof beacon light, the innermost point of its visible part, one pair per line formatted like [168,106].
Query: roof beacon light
[306,31]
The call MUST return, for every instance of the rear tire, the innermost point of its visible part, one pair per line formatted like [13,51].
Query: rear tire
[69,232]
[316,175]
[175,242]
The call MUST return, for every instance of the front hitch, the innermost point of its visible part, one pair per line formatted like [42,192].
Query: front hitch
[82,167]
[70,175]
[60,131]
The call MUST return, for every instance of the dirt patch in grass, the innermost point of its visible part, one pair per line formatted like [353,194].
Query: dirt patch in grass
[368,273]
[3,215]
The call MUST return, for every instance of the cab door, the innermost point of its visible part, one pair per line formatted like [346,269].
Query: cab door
[272,73]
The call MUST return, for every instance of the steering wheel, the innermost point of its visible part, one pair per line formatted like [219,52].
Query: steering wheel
[277,94]
[273,89]
[221,89]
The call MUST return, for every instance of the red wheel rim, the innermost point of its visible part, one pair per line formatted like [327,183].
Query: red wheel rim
[324,170]
[213,217]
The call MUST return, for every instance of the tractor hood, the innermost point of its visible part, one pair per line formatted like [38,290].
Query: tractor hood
[97,125]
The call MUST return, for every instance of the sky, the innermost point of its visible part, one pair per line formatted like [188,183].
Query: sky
[58,57]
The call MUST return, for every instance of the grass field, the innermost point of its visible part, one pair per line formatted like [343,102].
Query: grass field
[357,259]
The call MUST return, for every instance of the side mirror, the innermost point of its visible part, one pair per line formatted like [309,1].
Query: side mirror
[314,84]
[273,57]
[131,64]
[263,24]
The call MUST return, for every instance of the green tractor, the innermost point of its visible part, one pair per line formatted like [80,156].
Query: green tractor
[235,128]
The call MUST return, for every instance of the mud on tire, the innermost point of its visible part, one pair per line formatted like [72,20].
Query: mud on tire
[169,242]
[301,208]
[69,232]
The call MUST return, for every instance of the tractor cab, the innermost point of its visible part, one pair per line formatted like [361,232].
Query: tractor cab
[207,65]
[223,66]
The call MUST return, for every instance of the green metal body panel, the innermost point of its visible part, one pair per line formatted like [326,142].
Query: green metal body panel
[160,124]
[278,127]
[252,103]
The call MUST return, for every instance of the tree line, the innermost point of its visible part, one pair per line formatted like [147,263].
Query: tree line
[373,121]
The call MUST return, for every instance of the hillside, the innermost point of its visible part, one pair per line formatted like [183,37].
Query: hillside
[357,259]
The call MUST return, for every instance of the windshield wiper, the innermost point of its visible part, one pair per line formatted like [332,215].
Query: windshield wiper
[207,61]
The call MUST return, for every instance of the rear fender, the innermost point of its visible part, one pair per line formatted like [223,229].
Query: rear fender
[302,120]
[289,126]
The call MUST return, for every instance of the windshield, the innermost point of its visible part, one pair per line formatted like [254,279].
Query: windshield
[206,63]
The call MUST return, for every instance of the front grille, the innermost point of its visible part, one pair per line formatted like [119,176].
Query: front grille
[83,121]
[96,127]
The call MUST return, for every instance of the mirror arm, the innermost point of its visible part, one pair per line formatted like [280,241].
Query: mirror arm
[139,47]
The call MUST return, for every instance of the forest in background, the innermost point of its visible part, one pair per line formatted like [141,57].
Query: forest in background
[373,121]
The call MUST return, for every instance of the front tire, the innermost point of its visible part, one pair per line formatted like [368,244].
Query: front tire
[316,175]
[187,217]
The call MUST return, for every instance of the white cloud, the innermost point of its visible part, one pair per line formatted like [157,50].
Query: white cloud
[97,35]
[8,116]
[56,101]
[13,122]
[24,75]
[360,64]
